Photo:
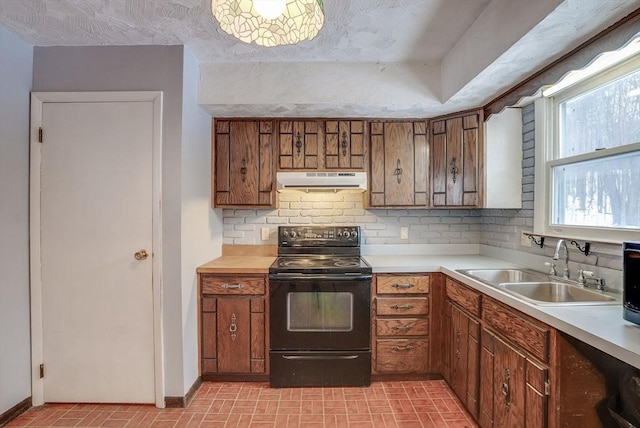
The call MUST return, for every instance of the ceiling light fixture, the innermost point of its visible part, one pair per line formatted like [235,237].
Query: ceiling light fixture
[270,22]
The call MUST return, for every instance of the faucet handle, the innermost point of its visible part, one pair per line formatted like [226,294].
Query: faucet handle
[582,274]
[552,268]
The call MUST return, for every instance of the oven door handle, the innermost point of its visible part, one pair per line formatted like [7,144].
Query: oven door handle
[319,357]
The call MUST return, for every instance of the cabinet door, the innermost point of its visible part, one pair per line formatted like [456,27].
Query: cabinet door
[456,160]
[460,331]
[398,164]
[344,144]
[243,164]
[234,335]
[509,386]
[209,352]
[299,143]
[464,368]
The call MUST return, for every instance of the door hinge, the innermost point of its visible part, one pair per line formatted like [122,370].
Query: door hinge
[40,135]
[547,388]
[41,371]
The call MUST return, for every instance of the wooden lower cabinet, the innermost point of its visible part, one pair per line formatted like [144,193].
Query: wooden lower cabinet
[465,358]
[511,370]
[462,343]
[513,391]
[400,327]
[232,327]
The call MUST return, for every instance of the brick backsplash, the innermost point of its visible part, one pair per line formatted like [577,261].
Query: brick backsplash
[493,227]
[378,226]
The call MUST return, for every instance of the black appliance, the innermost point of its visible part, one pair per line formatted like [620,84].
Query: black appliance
[631,281]
[319,308]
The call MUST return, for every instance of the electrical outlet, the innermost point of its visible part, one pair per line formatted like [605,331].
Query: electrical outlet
[525,241]
[264,232]
[404,233]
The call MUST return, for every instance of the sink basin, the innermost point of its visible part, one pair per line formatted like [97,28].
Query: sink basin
[500,276]
[551,292]
[539,288]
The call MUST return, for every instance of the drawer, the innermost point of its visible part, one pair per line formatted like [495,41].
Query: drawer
[464,297]
[232,284]
[402,284]
[402,327]
[402,306]
[529,336]
[402,355]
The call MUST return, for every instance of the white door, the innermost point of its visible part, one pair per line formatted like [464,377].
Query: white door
[96,216]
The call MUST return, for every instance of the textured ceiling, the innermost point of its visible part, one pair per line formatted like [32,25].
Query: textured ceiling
[355,30]
[402,58]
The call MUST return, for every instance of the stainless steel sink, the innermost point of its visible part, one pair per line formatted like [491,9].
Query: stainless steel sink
[556,293]
[539,288]
[501,276]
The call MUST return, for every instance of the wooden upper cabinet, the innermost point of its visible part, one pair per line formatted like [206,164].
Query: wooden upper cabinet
[243,164]
[344,144]
[456,160]
[398,164]
[299,144]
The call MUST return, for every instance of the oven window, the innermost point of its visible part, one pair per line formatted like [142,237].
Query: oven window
[320,311]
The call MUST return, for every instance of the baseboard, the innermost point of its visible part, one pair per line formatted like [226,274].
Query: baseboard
[15,411]
[182,402]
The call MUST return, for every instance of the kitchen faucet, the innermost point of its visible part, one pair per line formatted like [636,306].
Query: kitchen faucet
[556,256]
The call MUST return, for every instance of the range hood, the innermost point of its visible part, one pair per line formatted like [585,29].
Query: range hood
[324,180]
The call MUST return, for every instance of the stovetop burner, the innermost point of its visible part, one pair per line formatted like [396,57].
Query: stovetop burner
[319,264]
[319,250]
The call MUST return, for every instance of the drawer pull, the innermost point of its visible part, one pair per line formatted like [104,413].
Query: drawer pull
[407,306]
[232,286]
[402,327]
[402,348]
[403,285]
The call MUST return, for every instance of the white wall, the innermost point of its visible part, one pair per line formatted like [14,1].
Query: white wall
[16,65]
[201,226]
[137,68]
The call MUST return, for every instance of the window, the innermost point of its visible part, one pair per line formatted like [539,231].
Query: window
[588,158]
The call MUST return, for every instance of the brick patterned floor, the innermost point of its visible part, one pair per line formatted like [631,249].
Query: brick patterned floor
[255,405]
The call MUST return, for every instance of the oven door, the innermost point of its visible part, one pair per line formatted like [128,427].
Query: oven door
[314,312]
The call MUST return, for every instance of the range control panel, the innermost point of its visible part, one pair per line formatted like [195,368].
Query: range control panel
[314,236]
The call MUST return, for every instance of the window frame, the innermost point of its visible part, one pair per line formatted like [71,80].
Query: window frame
[547,149]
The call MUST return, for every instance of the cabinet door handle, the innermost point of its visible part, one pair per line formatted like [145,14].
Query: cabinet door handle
[232,286]
[402,327]
[298,143]
[233,327]
[403,285]
[398,171]
[458,344]
[243,170]
[402,348]
[407,306]
[344,143]
[505,389]
[454,169]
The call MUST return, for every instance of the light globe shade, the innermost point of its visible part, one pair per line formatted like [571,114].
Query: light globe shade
[270,9]
[300,20]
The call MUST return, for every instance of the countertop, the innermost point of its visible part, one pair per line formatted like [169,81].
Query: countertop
[238,265]
[600,326]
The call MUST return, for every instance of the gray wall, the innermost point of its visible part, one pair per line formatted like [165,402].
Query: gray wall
[201,226]
[137,68]
[16,64]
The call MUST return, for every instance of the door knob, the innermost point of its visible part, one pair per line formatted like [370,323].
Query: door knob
[141,255]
